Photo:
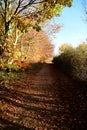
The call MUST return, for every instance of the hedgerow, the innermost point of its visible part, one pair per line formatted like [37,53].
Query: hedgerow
[73,61]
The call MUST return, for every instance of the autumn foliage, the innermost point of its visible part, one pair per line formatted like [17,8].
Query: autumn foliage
[35,47]
[73,61]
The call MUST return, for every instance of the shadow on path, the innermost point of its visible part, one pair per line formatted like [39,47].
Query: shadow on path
[49,100]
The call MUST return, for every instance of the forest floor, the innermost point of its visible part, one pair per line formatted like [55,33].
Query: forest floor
[44,100]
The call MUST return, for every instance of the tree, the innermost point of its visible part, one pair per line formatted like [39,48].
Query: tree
[35,47]
[14,12]
[65,47]
[38,10]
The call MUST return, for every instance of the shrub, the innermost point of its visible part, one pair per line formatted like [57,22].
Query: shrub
[6,77]
[7,73]
[12,67]
[74,61]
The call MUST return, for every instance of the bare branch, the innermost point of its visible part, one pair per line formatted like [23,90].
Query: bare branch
[18,6]
[29,4]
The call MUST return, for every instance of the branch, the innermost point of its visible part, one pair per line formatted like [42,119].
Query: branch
[19,3]
[25,6]
[2,14]
[31,2]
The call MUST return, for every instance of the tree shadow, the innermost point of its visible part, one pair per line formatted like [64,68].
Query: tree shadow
[31,103]
[60,105]
[73,95]
[7,125]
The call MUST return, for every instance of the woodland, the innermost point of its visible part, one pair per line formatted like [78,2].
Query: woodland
[21,39]
[39,91]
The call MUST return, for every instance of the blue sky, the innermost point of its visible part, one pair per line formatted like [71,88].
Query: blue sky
[74,30]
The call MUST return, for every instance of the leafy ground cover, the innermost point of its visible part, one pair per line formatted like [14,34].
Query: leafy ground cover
[45,100]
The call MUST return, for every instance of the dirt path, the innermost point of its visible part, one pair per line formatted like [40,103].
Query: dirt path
[47,100]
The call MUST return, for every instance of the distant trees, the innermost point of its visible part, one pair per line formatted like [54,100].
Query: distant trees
[35,47]
[65,47]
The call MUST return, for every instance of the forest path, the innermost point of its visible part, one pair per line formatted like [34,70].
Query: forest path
[47,100]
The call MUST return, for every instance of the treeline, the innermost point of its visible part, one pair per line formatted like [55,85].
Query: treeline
[73,61]
[32,47]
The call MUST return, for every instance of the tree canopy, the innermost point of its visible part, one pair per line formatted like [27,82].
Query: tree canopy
[37,10]
[17,16]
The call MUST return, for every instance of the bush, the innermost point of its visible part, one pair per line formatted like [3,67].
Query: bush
[6,77]
[12,67]
[74,61]
[7,73]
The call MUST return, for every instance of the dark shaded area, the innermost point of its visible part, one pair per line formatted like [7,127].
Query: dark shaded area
[11,126]
[46,100]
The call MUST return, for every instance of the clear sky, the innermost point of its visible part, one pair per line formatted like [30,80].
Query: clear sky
[74,30]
